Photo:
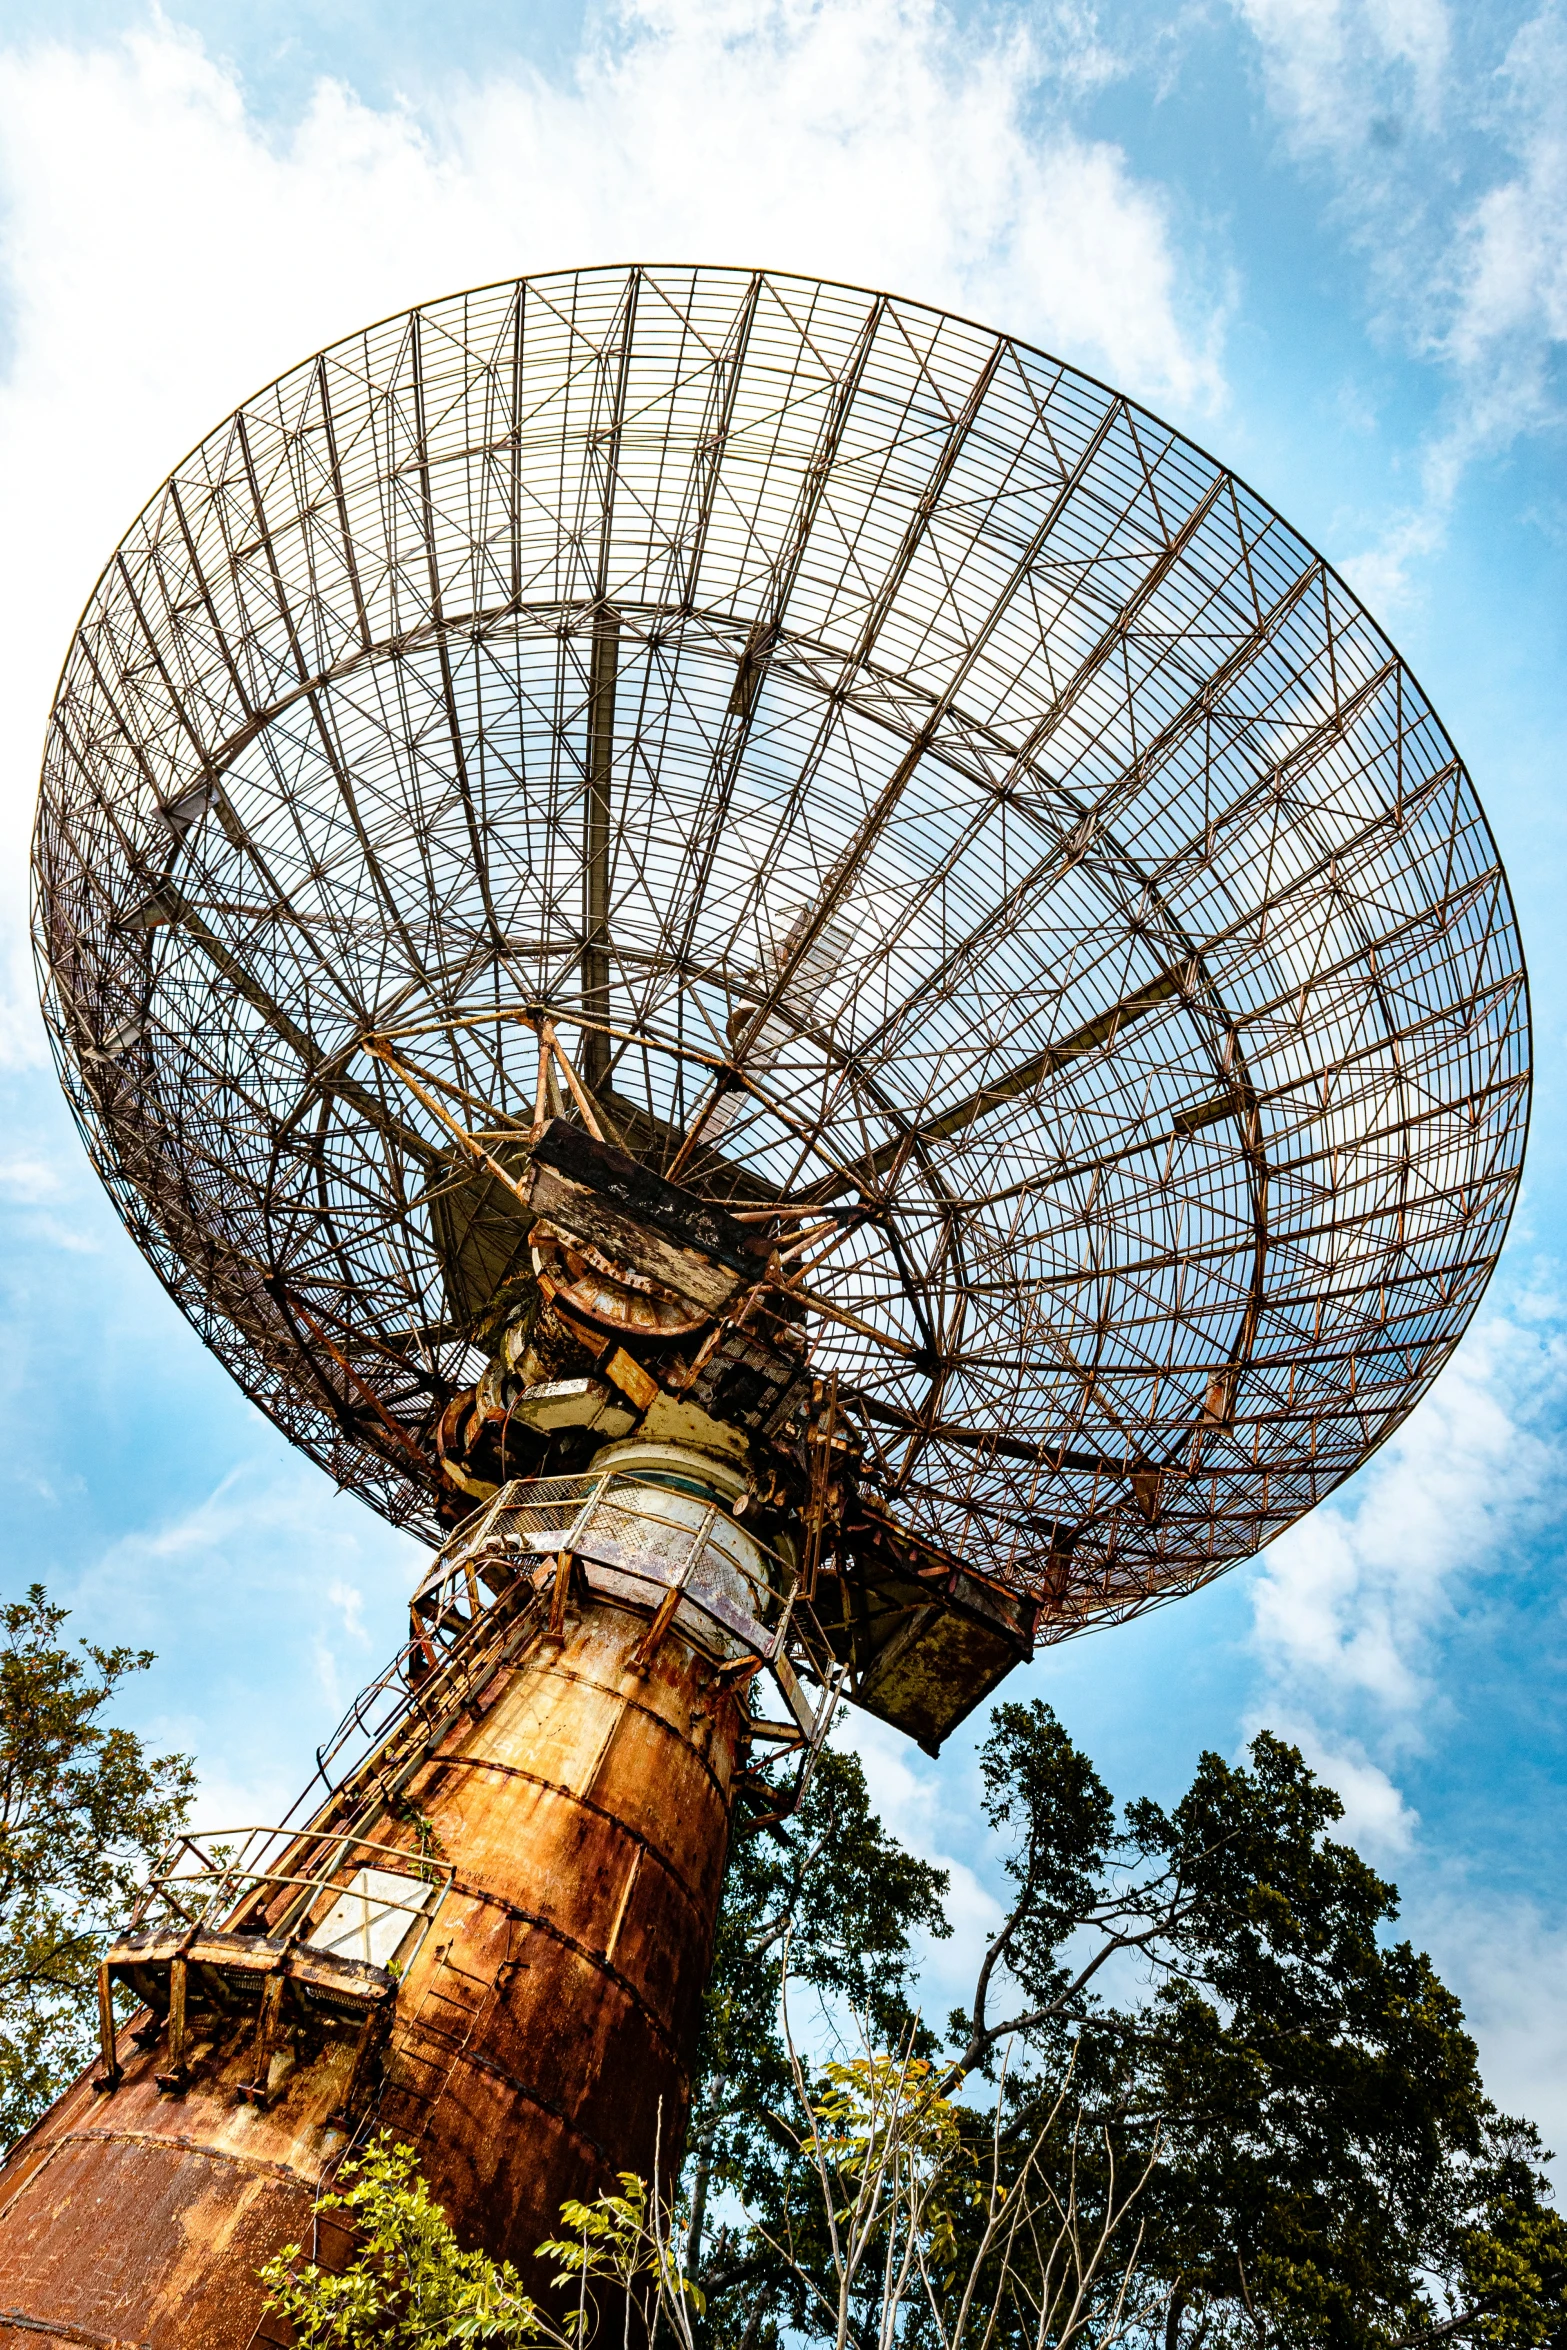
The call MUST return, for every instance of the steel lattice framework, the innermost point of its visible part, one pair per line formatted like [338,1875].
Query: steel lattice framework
[918,783]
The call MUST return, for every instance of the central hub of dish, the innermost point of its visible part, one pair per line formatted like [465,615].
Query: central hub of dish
[608,1295]
[648,1423]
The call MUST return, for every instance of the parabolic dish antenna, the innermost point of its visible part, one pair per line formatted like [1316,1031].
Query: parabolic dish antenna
[939,814]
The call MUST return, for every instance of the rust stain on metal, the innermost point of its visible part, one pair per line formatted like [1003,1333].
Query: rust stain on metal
[1124,1451]
[553,2013]
[542,2038]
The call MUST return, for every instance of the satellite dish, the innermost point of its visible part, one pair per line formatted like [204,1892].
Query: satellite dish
[793,978]
[918,790]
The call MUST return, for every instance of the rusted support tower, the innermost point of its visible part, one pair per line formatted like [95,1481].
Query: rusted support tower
[805,988]
[540,2030]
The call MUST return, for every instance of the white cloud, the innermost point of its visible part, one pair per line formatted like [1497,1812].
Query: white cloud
[1498,295]
[1449,174]
[271,1563]
[1511,306]
[28,1180]
[164,251]
[1358,1608]
[1350,1601]
[54,1234]
[349,1602]
[918,1807]
[1377,1820]
[1507,1964]
[1342,74]
[1383,574]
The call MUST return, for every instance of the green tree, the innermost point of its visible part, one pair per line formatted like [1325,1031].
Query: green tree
[892,2162]
[407,2282]
[83,1810]
[1226,2106]
[844,1900]
[1240,2027]
[408,2285]
[1330,2170]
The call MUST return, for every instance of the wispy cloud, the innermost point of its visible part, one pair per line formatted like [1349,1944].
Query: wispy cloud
[1349,1602]
[1375,1621]
[1507,1962]
[1444,138]
[1509,318]
[29,1180]
[1346,76]
[1355,1607]
[270,1563]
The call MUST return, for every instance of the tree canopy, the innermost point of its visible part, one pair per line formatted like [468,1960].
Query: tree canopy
[832,1890]
[83,1810]
[1210,2001]
[1223,1987]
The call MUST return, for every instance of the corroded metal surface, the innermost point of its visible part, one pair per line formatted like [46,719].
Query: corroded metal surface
[554,2011]
[143,2218]
[1047,1080]
[543,2036]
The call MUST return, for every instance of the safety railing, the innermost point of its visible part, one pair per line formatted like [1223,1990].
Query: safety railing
[273,1933]
[664,1544]
[438,1674]
[354,1896]
[661,1540]
[664,1534]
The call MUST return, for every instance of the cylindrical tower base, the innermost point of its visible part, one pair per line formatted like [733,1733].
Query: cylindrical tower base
[542,2035]
[547,2033]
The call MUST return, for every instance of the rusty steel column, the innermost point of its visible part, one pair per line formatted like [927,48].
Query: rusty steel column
[554,2011]
[543,2033]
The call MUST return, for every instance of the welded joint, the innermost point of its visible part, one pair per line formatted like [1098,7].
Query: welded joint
[257,2090]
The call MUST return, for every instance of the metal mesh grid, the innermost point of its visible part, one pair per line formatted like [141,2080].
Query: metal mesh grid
[1111,934]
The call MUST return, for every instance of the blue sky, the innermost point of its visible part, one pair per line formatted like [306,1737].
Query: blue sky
[1326,237]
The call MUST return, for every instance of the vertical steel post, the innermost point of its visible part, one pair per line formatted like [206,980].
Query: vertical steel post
[598,833]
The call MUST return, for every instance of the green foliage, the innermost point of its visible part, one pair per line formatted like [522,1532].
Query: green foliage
[861,2105]
[83,1811]
[408,2286]
[1223,1986]
[1513,2263]
[1324,2101]
[844,1899]
[882,2121]
[619,2242]
[891,2154]
[1228,2106]
[1330,2171]
[1050,1803]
